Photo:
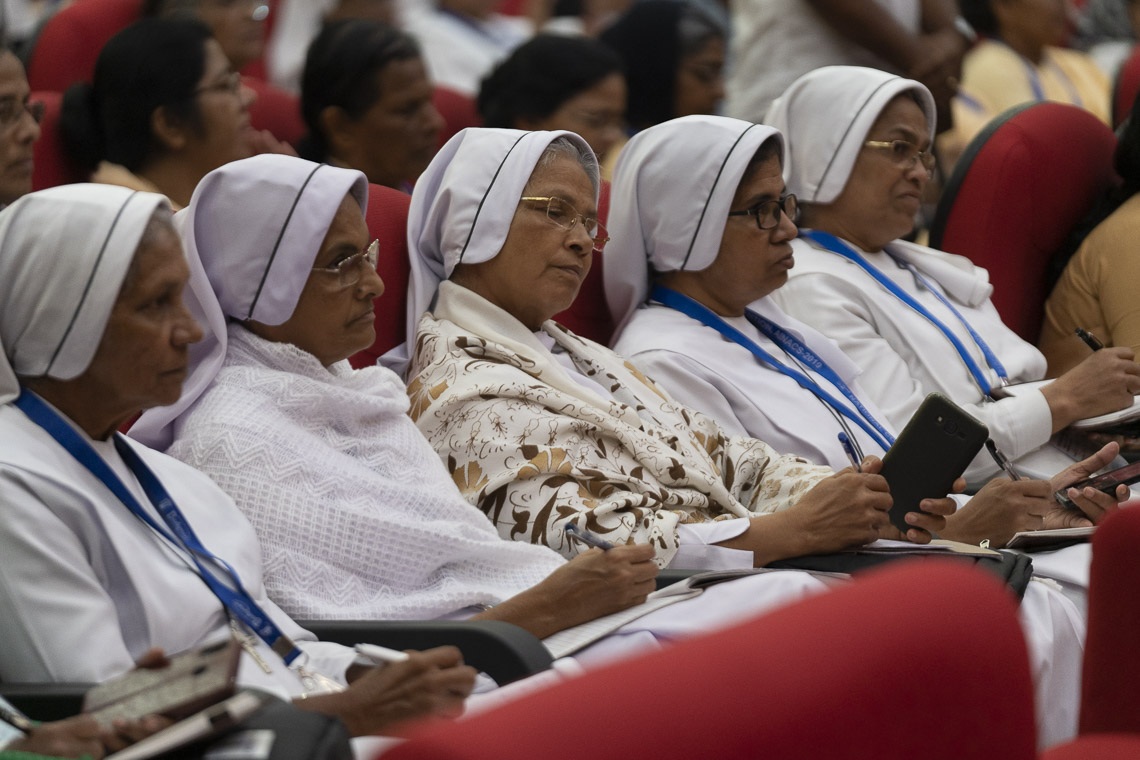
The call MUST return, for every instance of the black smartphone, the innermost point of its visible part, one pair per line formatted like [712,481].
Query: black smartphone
[933,451]
[1105,482]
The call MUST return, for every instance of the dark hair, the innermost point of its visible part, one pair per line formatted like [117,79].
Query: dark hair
[541,75]
[651,38]
[152,64]
[768,150]
[980,14]
[342,68]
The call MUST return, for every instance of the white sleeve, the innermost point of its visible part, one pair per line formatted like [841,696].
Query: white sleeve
[697,550]
[685,381]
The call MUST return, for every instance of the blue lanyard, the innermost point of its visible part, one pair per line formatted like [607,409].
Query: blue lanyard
[237,600]
[863,418]
[835,245]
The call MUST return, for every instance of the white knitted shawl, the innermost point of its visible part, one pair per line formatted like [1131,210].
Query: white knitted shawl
[356,515]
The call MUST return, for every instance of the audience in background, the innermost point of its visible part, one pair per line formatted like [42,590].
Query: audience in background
[19,129]
[367,102]
[555,82]
[237,25]
[1107,31]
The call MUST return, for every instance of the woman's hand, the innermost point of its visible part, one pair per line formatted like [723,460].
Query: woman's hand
[1003,507]
[432,683]
[1105,382]
[1093,505]
[848,509]
[593,584]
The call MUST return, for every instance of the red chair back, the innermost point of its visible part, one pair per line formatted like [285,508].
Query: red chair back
[1019,189]
[1126,88]
[387,219]
[66,50]
[458,112]
[51,167]
[837,676]
[589,315]
[277,110]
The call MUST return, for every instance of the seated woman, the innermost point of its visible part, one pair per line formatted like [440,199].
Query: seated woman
[111,548]
[913,319]
[237,25]
[1097,290]
[715,340]
[386,533]
[1020,60]
[160,127]
[557,82]
[367,102]
[542,429]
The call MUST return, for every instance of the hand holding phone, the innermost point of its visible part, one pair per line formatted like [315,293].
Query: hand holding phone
[1105,483]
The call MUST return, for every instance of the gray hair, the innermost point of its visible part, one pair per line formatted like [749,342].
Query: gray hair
[565,147]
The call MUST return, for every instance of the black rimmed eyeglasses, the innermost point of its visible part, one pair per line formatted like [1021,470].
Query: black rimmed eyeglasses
[767,213]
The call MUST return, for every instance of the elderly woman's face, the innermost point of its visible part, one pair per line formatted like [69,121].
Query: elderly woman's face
[142,358]
[883,195]
[541,267]
[333,321]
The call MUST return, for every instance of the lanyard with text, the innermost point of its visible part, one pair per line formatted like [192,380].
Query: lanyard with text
[835,245]
[236,599]
[863,418]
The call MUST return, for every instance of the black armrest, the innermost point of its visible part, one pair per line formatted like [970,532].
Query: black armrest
[45,701]
[501,650]
[669,576]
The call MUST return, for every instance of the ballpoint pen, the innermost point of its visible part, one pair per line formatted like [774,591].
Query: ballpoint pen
[1090,340]
[587,537]
[1002,462]
[379,654]
[849,449]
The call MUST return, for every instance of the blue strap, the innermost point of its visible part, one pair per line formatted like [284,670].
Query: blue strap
[233,595]
[698,311]
[835,245]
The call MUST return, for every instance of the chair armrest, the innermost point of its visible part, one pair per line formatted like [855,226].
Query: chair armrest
[669,576]
[46,701]
[501,650]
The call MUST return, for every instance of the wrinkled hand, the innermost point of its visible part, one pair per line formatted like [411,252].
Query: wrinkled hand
[263,141]
[1093,505]
[597,583]
[74,737]
[847,509]
[1105,382]
[1003,507]
[434,682]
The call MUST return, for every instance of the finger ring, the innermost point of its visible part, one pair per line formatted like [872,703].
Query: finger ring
[952,82]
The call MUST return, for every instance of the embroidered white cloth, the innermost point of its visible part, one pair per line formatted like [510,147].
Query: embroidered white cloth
[356,517]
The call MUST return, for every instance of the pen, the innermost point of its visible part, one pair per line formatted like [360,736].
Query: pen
[15,718]
[587,537]
[380,655]
[849,449]
[1090,340]
[1002,462]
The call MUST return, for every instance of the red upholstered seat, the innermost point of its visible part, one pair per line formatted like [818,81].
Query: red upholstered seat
[1016,193]
[277,110]
[1126,87]
[589,315]
[51,165]
[458,112]
[387,219]
[848,675]
[66,50]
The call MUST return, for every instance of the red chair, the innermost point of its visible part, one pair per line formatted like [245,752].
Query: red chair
[1015,195]
[51,167]
[458,112]
[387,219]
[917,661]
[589,315]
[67,47]
[1125,88]
[277,110]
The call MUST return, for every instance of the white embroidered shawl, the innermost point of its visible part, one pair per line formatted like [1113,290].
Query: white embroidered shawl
[536,450]
[357,519]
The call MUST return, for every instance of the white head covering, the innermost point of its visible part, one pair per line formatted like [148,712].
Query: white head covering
[825,116]
[64,254]
[463,204]
[251,231]
[672,190]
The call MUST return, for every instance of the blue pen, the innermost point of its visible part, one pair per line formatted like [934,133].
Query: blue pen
[587,537]
[849,449]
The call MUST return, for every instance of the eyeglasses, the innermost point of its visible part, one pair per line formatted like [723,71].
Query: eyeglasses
[905,154]
[230,82]
[564,216]
[767,213]
[12,110]
[349,271]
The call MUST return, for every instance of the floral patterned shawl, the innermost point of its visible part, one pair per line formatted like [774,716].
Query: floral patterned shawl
[536,450]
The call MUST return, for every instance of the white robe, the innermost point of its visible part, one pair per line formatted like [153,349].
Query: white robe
[86,587]
[904,357]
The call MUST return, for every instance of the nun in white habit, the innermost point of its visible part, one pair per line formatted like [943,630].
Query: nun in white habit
[542,429]
[915,320]
[98,530]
